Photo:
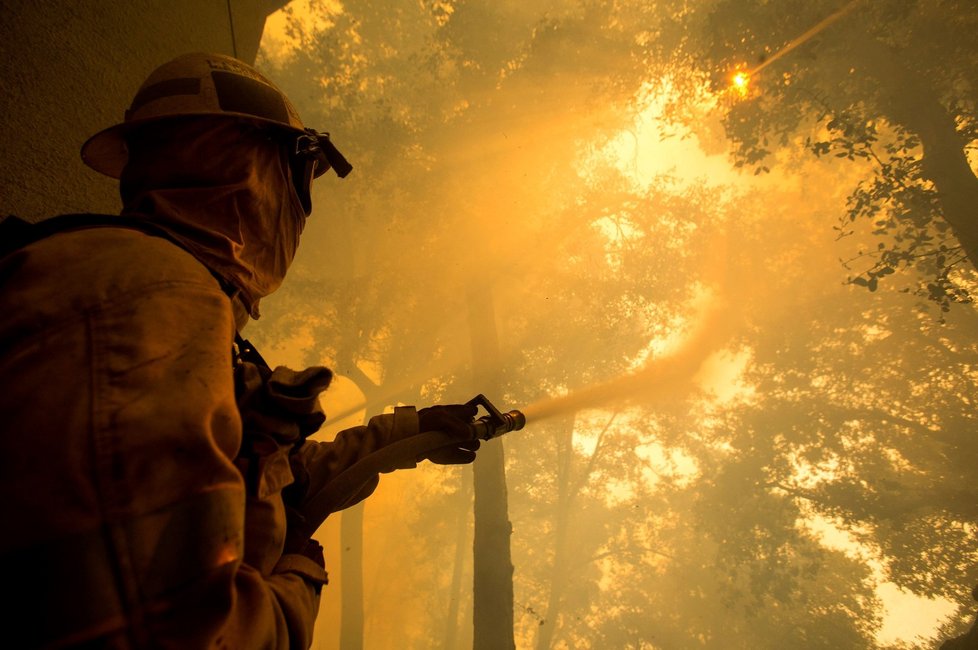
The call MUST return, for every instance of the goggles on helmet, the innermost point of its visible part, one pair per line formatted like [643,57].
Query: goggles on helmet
[319,147]
[312,154]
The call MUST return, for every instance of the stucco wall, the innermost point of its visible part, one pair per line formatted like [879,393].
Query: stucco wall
[70,68]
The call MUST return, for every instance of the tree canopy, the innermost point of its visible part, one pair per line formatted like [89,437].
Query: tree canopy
[826,446]
[888,84]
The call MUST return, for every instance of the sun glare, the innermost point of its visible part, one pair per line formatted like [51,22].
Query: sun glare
[740,82]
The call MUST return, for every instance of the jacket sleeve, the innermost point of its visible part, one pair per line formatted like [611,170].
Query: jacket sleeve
[278,408]
[318,463]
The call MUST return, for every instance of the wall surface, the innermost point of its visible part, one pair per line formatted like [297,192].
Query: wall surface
[70,69]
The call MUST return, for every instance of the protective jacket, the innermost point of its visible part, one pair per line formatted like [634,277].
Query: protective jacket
[143,465]
[122,452]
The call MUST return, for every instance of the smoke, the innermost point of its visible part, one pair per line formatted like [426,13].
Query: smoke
[487,140]
[669,375]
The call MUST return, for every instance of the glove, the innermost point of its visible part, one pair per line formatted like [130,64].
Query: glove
[366,451]
[455,420]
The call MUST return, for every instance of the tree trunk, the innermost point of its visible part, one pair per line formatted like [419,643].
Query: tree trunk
[455,593]
[911,101]
[351,583]
[946,165]
[351,527]
[492,564]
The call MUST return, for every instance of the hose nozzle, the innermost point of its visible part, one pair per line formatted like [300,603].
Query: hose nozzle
[495,423]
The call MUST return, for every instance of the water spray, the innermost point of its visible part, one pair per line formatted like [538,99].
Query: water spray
[671,373]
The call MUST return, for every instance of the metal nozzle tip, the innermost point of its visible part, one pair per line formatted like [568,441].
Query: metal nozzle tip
[519,420]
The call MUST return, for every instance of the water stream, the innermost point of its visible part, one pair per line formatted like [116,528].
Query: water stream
[668,375]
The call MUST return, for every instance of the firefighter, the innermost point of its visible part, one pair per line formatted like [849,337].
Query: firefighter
[155,469]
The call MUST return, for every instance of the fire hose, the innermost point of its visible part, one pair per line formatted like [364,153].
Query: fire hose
[342,488]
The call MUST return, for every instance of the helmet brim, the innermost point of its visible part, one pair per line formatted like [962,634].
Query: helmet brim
[107,152]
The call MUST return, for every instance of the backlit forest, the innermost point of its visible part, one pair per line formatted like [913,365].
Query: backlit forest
[721,252]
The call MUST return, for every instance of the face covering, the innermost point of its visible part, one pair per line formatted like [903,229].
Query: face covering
[222,188]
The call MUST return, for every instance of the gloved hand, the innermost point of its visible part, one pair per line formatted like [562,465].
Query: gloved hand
[455,420]
[330,476]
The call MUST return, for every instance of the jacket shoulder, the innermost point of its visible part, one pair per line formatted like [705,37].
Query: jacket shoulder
[16,232]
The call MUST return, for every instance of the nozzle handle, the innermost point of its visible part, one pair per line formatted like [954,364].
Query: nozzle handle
[495,423]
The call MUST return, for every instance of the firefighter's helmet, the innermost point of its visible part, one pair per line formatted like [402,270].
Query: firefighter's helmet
[202,84]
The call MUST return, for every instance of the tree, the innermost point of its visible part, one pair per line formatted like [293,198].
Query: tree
[409,106]
[863,415]
[887,83]
[688,522]
[754,571]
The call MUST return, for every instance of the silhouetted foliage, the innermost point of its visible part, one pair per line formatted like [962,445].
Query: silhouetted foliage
[890,85]
[831,447]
